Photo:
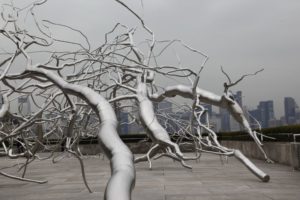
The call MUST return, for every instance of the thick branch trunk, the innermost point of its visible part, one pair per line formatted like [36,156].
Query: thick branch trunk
[122,178]
[210,98]
[155,131]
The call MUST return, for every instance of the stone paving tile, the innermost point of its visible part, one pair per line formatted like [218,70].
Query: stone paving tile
[208,180]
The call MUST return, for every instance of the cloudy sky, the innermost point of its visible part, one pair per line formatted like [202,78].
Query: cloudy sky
[241,35]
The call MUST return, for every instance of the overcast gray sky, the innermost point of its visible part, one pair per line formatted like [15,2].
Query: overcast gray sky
[241,35]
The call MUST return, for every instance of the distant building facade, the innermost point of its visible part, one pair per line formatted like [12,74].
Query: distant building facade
[266,109]
[228,123]
[225,120]
[24,105]
[124,123]
[215,122]
[264,114]
[239,98]
[163,106]
[208,114]
[291,110]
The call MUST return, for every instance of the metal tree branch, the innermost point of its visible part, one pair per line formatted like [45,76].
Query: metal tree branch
[210,98]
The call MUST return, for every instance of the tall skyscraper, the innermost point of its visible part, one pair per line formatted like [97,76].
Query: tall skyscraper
[225,120]
[24,105]
[266,112]
[228,123]
[234,125]
[254,114]
[290,110]
[208,113]
[164,106]
[239,98]
[209,109]
[215,122]
[124,120]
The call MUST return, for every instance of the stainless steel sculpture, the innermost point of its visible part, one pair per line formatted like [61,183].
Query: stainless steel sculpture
[75,94]
[159,136]
[122,179]
[225,101]
[34,75]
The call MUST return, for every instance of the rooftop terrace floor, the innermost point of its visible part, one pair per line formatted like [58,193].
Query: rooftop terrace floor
[208,180]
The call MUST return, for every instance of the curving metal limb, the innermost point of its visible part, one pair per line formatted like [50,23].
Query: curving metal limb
[255,170]
[82,169]
[155,131]
[224,101]
[120,156]
[22,178]
[170,154]
[243,159]
[221,150]
[87,85]
[151,152]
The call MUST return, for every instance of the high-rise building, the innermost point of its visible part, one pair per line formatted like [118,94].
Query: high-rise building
[263,114]
[228,123]
[135,128]
[266,112]
[290,110]
[254,115]
[215,122]
[225,120]
[24,105]
[164,106]
[124,123]
[239,98]
[234,125]
[208,108]
[205,118]
[162,109]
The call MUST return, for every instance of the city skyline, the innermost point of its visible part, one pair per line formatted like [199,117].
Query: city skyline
[219,119]
[243,37]
[127,82]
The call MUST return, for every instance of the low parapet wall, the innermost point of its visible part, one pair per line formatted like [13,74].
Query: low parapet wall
[287,153]
[136,148]
[93,149]
[281,152]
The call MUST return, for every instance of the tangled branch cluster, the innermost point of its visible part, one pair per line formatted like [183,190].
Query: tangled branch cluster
[76,93]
